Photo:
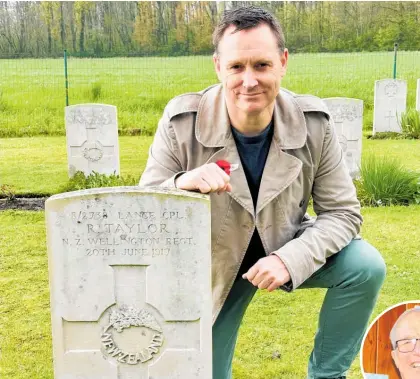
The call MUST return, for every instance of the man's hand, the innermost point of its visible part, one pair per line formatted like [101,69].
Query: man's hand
[207,178]
[268,273]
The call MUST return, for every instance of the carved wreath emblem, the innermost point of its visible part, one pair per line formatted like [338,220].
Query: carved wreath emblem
[391,89]
[93,152]
[127,317]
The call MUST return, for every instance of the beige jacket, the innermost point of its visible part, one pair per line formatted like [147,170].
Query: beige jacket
[304,159]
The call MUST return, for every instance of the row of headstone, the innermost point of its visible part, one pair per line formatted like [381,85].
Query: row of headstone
[130,284]
[389,103]
[92,129]
[92,135]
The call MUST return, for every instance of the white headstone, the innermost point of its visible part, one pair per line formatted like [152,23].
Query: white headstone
[92,139]
[348,120]
[130,282]
[418,95]
[390,102]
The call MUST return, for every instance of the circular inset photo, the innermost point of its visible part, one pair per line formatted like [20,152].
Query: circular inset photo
[391,346]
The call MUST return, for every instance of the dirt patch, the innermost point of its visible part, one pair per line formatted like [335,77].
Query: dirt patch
[23,204]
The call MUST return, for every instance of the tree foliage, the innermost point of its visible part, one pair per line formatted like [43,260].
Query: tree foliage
[85,28]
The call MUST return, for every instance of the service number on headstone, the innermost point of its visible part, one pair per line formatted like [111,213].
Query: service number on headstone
[390,101]
[130,281]
[92,139]
[348,120]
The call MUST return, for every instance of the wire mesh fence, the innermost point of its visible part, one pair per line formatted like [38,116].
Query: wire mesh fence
[33,96]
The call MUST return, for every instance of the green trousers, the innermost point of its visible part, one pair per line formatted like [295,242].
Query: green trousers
[353,277]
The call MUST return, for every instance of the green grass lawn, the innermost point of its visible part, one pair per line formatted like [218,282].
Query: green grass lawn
[275,322]
[38,165]
[32,93]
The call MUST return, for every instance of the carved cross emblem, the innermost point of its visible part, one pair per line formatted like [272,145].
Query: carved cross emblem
[92,119]
[390,116]
[150,337]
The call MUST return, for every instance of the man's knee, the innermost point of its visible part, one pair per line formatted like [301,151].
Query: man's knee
[366,263]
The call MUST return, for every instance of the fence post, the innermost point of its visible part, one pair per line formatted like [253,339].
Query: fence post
[66,78]
[395,60]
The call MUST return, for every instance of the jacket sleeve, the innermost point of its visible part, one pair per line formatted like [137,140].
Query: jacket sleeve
[338,216]
[163,165]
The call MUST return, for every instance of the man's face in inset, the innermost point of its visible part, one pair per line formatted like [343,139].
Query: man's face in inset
[407,354]
[250,66]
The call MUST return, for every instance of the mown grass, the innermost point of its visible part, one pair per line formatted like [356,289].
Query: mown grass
[32,94]
[38,165]
[275,322]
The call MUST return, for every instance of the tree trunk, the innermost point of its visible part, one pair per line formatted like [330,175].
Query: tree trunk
[22,31]
[62,27]
[82,31]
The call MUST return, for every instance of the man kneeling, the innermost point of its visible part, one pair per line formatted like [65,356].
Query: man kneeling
[286,151]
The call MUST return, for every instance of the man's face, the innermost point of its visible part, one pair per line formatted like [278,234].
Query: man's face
[250,66]
[408,363]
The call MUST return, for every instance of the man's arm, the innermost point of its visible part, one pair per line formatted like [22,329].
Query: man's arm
[338,221]
[338,215]
[163,165]
[164,168]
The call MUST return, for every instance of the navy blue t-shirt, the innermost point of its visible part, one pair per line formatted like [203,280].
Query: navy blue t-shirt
[253,152]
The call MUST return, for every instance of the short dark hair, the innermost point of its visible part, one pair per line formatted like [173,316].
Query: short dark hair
[246,18]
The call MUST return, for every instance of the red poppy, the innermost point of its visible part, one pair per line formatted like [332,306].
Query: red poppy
[224,165]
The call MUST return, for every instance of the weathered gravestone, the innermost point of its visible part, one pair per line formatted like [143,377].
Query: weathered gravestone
[92,139]
[130,281]
[418,95]
[348,120]
[389,103]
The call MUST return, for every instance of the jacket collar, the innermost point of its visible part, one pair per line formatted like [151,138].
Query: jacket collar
[212,128]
